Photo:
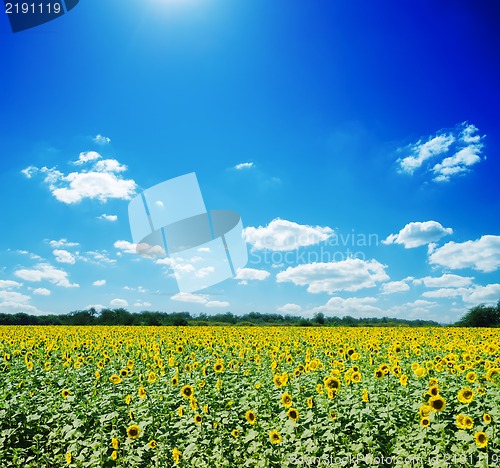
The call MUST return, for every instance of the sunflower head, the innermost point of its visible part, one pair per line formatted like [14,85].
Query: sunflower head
[250,416]
[235,433]
[286,399]
[133,431]
[425,422]
[275,437]
[197,418]
[486,418]
[293,414]
[437,403]
[152,444]
[187,391]
[114,443]
[481,439]
[65,393]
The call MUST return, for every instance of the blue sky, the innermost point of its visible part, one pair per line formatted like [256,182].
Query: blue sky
[359,141]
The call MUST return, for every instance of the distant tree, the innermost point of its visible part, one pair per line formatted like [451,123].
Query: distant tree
[319,318]
[481,316]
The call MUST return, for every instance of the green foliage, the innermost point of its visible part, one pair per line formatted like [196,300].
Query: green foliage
[481,316]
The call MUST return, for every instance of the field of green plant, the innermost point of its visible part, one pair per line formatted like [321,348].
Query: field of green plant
[249,396]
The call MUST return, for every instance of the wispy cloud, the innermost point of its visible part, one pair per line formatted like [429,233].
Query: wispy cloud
[245,165]
[101,139]
[107,217]
[446,154]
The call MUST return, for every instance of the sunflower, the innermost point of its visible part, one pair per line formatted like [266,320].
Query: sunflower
[180,411]
[425,422]
[175,380]
[235,433]
[133,431]
[142,392]
[152,444]
[197,418]
[319,389]
[219,367]
[257,386]
[460,421]
[114,455]
[97,375]
[128,399]
[356,377]
[293,414]
[465,395]
[310,402]
[176,455]
[468,422]
[275,437]
[286,399]
[433,390]
[333,415]
[68,458]
[124,372]
[481,439]
[420,372]
[250,416]
[438,403]
[187,391]
[424,411]
[403,380]
[114,443]
[116,379]
[486,418]
[180,349]
[152,377]
[378,373]
[65,393]
[471,377]
[332,383]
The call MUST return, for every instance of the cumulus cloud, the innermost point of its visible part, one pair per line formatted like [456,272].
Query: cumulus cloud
[107,217]
[45,271]
[42,291]
[283,235]
[99,257]
[245,165]
[245,274]
[352,274]
[190,297]
[87,156]
[11,301]
[396,286]
[445,281]
[482,254]
[352,306]
[142,304]
[417,234]
[119,303]
[125,246]
[8,284]
[101,181]
[62,243]
[488,294]
[457,150]
[99,283]
[212,304]
[63,256]
[101,140]
[290,308]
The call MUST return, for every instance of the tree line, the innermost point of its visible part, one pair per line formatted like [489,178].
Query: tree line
[478,316]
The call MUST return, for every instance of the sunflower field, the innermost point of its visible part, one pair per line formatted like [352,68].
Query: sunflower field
[249,396]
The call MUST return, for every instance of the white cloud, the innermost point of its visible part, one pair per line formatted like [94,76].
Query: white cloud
[444,293]
[100,182]
[396,286]
[217,304]
[99,283]
[107,217]
[456,150]
[142,304]
[245,165]
[101,140]
[97,257]
[125,246]
[204,272]
[63,256]
[109,165]
[353,306]
[29,171]
[488,294]
[62,243]
[352,274]
[290,308]
[44,271]
[119,303]
[94,306]
[282,235]
[251,274]
[445,281]
[420,152]
[12,296]
[190,297]
[7,284]
[482,254]
[87,156]
[42,291]
[417,234]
